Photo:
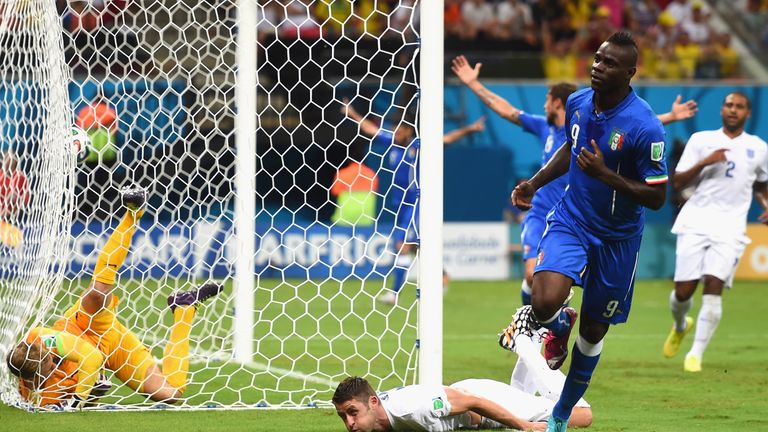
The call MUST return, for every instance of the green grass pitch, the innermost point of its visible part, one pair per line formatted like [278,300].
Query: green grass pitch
[634,387]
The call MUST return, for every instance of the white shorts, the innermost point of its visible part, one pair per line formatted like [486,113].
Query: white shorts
[699,255]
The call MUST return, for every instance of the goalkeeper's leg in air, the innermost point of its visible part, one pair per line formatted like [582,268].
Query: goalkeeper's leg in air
[60,366]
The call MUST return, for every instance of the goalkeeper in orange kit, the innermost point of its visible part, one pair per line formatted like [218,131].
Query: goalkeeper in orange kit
[60,367]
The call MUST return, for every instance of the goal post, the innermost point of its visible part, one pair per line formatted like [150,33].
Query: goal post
[232,117]
[431,224]
[37,171]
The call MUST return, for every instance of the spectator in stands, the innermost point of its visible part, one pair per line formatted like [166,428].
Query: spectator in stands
[479,20]
[452,19]
[355,189]
[679,9]
[515,22]
[14,197]
[268,15]
[696,25]
[729,58]
[598,30]
[332,14]
[642,15]
[559,59]
[299,22]
[688,54]
[708,66]
[99,120]
[667,64]
[667,30]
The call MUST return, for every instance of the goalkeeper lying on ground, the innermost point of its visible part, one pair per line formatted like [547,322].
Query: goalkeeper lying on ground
[59,367]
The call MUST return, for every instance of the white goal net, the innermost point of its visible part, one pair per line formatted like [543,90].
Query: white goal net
[231,116]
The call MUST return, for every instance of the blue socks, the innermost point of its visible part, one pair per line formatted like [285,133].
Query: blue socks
[400,271]
[559,323]
[577,381]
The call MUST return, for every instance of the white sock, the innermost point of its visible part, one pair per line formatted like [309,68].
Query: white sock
[706,324]
[519,374]
[525,288]
[679,311]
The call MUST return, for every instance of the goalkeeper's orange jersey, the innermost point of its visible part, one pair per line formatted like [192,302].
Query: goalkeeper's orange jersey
[78,363]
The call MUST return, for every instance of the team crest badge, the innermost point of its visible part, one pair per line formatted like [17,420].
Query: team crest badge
[437,404]
[750,153]
[657,151]
[617,140]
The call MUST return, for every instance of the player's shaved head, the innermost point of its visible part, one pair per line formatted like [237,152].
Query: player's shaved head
[740,95]
[353,388]
[628,46]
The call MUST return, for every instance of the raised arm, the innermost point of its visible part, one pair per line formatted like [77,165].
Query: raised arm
[367,127]
[681,179]
[457,134]
[556,167]
[648,195]
[680,111]
[468,75]
[761,195]
[462,402]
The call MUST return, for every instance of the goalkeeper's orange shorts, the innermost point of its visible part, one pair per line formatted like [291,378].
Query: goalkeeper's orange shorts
[123,351]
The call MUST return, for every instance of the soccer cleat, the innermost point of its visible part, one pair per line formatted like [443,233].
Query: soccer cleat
[692,363]
[388,298]
[555,424]
[194,297]
[523,323]
[133,198]
[675,338]
[556,347]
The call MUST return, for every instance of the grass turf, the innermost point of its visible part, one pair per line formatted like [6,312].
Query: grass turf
[634,387]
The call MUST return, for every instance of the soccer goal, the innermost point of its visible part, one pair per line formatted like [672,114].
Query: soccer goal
[231,115]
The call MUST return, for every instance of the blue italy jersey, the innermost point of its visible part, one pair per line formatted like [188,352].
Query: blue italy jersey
[632,141]
[551,138]
[403,163]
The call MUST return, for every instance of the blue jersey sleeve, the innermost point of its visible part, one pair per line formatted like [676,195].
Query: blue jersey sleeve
[534,124]
[383,139]
[650,157]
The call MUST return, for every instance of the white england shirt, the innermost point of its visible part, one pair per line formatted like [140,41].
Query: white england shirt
[421,408]
[719,204]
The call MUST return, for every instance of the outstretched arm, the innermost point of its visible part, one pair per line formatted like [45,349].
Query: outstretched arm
[462,402]
[648,195]
[368,127]
[680,111]
[468,75]
[457,134]
[557,166]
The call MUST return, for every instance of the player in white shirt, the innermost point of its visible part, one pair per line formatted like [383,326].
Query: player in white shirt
[525,404]
[725,167]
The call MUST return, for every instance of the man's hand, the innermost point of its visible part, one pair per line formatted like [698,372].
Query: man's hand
[717,156]
[346,107]
[522,195]
[592,164]
[763,218]
[72,404]
[466,73]
[682,111]
[478,125]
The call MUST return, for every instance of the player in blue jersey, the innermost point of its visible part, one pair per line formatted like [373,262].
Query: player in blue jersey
[550,131]
[402,158]
[614,157]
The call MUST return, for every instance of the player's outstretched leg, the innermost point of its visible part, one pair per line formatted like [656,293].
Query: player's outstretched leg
[168,384]
[112,256]
[709,318]
[680,303]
